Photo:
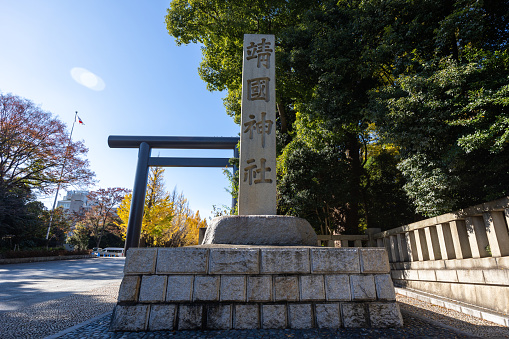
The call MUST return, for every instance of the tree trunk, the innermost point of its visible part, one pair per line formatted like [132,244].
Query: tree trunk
[101,233]
[282,116]
[453,34]
[352,207]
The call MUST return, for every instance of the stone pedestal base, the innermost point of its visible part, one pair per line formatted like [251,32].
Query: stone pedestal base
[276,230]
[248,287]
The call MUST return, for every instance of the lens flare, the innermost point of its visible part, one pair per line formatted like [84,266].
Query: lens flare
[88,79]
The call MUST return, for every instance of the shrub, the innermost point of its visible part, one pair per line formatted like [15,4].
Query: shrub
[41,253]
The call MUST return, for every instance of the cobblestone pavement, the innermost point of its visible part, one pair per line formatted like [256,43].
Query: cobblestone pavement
[441,316]
[49,317]
[413,328]
[24,285]
[56,319]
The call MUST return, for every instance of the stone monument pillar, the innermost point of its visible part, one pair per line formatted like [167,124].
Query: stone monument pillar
[257,222]
[257,186]
[256,269]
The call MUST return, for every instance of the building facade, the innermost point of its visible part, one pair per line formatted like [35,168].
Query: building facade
[74,201]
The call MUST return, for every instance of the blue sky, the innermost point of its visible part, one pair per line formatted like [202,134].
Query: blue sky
[150,86]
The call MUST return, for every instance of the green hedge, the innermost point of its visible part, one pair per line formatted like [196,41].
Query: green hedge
[41,253]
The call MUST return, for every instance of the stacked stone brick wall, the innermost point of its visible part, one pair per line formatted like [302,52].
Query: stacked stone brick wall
[481,281]
[240,287]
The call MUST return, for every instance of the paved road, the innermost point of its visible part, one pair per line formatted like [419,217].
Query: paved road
[22,285]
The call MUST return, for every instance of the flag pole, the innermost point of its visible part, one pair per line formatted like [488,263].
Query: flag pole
[60,178]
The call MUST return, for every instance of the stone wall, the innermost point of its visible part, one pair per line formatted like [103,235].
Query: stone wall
[462,255]
[482,282]
[224,287]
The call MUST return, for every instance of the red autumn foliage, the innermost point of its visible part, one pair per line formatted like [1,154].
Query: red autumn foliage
[34,146]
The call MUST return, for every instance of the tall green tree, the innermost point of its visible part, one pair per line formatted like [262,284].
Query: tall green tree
[342,68]
[21,221]
[325,53]
[311,171]
[452,123]
[219,26]
[448,111]
[324,71]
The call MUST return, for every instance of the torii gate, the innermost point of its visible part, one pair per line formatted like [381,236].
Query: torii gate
[145,145]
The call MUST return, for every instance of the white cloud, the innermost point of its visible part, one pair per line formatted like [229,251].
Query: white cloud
[88,79]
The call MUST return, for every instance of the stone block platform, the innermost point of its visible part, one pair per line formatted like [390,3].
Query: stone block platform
[247,287]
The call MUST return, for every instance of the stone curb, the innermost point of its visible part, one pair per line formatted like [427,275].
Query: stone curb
[455,305]
[40,259]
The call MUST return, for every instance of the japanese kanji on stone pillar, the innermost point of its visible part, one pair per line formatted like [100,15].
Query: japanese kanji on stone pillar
[257,186]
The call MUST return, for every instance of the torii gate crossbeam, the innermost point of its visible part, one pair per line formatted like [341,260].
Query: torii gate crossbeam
[145,145]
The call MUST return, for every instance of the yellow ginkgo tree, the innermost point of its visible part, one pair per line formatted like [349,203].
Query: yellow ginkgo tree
[167,220]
